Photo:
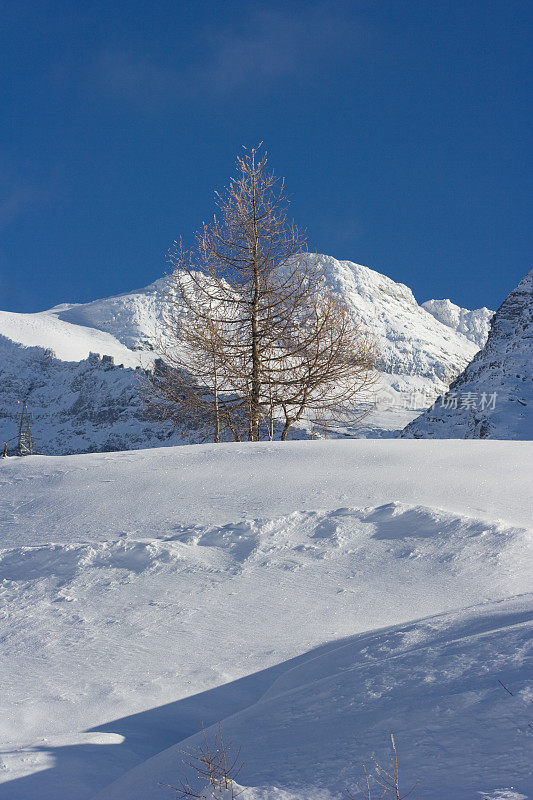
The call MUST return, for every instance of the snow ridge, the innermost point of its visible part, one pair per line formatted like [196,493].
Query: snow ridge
[418,353]
[134,318]
[475,325]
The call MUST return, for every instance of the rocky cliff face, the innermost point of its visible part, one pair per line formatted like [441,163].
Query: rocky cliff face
[77,407]
[493,396]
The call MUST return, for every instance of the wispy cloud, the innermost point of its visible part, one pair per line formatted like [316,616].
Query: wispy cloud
[17,200]
[268,46]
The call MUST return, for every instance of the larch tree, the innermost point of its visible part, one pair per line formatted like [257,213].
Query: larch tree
[256,336]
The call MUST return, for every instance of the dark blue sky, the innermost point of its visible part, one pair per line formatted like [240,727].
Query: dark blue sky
[401,127]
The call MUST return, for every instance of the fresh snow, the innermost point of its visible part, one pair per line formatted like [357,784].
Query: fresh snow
[475,325]
[418,354]
[136,319]
[458,731]
[312,596]
[66,341]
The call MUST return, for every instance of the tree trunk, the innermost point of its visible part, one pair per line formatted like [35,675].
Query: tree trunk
[286,429]
[229,422]
[216,407]
[255,397]
[289,421]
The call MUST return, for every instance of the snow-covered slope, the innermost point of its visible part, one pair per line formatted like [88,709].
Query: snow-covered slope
[419,356]
[145,593]
[67,342]
[475,325]
[133,318]
[430,682]
[493,397]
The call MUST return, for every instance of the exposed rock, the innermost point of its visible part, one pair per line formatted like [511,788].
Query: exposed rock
[493,396]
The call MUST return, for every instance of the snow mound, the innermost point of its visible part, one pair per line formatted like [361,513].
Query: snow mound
[475,325]
[105,496]
[397,534]
[493,397]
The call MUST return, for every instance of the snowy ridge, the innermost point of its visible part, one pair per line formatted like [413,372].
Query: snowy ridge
[46,330]
[418,353]
[133,318]
[419,356]
[493,397]
[475,325]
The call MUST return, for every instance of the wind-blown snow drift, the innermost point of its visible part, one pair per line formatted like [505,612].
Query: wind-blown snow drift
[460,734]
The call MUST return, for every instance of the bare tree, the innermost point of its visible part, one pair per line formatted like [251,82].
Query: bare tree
[215,768]
[252,321]
[188,377]
[329,370]
[387,779]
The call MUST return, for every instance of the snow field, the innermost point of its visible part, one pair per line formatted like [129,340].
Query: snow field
[68,342]
[314,596]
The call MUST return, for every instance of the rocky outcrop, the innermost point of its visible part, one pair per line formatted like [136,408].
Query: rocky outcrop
[493,396]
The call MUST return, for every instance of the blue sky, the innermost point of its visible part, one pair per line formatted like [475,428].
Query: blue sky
[402,128]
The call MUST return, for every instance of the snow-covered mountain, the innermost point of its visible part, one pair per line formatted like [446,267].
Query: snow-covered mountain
[418,354]
[475,325]
[493,397]
[82,405]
